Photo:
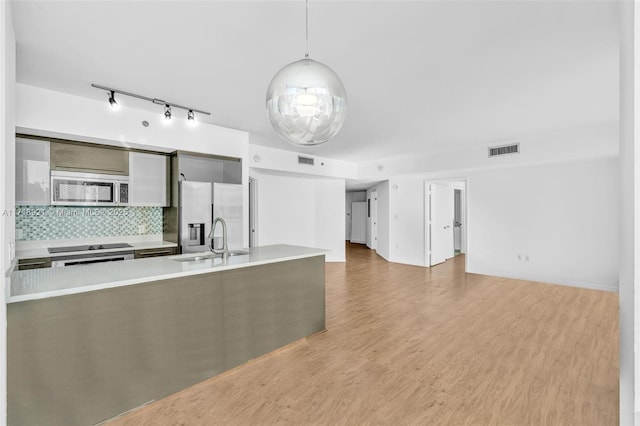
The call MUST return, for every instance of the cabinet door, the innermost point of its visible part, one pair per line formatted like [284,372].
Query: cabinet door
[89,159]
[155,252]
[32,172]
[147,179]
[36,263]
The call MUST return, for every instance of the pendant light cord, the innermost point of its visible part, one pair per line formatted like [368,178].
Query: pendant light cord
[306,25]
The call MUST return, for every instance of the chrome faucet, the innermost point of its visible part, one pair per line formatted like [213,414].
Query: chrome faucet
[225,249]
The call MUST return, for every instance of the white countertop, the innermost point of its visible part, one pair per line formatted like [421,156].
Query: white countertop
[51,282]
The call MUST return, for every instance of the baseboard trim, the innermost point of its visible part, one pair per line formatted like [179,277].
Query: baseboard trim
[549,280]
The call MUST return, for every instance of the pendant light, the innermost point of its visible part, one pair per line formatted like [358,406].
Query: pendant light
[306,100]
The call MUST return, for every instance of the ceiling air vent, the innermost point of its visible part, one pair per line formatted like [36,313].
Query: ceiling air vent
[305,160]
[505,149]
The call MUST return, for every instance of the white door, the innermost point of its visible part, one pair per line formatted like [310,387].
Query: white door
[440,223]
[358,222]
[374,220]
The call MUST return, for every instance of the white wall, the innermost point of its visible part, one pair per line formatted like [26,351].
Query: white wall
[561,146]
[262,157]
[301,211]
[564,217]
[55,114]
[7,181]
[629,237]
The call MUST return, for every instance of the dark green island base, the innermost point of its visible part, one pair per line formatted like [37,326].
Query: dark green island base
[84,358]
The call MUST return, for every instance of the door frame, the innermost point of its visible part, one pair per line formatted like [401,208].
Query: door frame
[426,210]
[374,219]
[253,212]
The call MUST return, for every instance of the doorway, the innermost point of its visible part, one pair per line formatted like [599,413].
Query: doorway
[459,218]
[445,220]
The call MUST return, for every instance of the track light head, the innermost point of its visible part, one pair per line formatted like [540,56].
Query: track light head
[112,100]
[167,112]
[191,118]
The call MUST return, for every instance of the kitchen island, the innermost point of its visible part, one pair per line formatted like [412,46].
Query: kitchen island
[87,343]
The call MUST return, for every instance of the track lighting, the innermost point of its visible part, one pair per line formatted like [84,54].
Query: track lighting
[191,116]
[112,100]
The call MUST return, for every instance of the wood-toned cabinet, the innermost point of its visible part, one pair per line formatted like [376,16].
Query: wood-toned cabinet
[148,179]
[89,158]
[155,252]
[32,172]
[35,263]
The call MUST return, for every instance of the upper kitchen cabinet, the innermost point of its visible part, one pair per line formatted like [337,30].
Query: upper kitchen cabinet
[89,158]
[148,179]
[32,172]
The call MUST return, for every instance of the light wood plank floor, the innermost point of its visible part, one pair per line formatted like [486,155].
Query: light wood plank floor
[416,346]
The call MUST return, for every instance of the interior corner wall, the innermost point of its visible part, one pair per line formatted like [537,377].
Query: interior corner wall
[383,219]
[563,218]
[301,211]
[329,218]
[407,224]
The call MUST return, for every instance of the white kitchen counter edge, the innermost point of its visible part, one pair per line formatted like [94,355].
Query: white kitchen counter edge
[141,280]
[42,252]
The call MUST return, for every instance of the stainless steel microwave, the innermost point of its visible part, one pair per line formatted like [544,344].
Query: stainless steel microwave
[88,189]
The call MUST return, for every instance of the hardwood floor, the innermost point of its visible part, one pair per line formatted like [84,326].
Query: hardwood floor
[408,345]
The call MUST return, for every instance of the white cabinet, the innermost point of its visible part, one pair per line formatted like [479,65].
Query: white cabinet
[147,180]
[32,172]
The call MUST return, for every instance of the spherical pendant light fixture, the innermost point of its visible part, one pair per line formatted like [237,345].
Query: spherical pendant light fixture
[306,101]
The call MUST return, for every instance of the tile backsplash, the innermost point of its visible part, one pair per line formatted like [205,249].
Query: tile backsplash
[61,222]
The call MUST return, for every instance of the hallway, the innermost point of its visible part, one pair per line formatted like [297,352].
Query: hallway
[412,345]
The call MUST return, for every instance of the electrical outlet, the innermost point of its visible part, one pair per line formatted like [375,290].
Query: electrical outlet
[142,229]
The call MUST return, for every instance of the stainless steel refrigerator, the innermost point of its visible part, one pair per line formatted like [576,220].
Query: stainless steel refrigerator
[227,204]
[194,216]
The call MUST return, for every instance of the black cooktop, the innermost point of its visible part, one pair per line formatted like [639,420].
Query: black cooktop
[87,247]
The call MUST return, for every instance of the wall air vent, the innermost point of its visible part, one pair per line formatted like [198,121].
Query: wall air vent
[305,160]
[505,149]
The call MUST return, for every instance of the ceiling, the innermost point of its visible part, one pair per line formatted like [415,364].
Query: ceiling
[421,76]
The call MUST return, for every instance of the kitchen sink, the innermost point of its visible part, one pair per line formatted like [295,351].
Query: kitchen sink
[205,256]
